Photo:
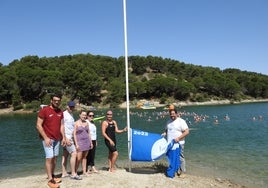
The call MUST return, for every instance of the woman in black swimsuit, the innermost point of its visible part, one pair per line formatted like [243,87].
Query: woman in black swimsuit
[109,128]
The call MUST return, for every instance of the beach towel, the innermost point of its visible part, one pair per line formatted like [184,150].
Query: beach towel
[173,156]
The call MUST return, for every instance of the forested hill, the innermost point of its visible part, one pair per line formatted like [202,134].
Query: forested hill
[95,79]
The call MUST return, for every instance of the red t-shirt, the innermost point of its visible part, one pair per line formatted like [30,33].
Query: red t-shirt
[52,122]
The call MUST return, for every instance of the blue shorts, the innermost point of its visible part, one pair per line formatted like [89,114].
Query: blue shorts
[53,150]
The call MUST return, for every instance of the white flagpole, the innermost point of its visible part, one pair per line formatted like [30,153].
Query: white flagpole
[127,91]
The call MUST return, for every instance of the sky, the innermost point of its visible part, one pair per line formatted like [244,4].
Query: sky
[214,33]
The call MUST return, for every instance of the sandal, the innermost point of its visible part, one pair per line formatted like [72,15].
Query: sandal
[52,184]
[76,177]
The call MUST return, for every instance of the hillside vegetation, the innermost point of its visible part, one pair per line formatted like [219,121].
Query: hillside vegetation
[94,79]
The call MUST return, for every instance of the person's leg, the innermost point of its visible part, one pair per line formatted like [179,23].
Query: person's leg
[89,159]
[49,167]
[110,155]
[54,162]
[51,152]
[64,159]
[49,158]
[56,150]
[53,182]
[73,163]
[113,160]
[93,153]
[72,151]
[84,162]
[182,159]
[78,160]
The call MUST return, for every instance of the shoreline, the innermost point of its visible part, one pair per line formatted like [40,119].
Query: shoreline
[138,177]
[206,103]
[156,104]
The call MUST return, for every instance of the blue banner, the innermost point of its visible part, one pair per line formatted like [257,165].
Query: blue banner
[147,146]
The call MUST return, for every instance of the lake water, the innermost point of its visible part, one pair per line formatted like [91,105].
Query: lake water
[234,149]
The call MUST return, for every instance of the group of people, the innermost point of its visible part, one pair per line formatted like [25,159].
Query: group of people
[79,139]
[80,142]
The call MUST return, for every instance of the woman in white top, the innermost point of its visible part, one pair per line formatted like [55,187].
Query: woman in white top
[92,151]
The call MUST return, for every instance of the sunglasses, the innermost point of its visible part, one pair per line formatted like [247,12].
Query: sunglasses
[55,100]
[90,115]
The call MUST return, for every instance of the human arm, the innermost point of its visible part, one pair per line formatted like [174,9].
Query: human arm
[62,130]
[164,133]
[119,130]
[183,135]
[75,137]
[89,135]
[39,126]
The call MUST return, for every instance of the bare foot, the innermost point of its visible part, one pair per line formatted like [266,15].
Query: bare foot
[111,170]
[86,174]
[93,169]
[65,175]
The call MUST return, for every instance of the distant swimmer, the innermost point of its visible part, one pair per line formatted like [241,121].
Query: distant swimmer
[226,117]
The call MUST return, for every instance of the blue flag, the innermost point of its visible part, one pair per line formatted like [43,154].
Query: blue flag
[147,146]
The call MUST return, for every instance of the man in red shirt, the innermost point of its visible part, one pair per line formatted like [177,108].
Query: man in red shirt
[51,130]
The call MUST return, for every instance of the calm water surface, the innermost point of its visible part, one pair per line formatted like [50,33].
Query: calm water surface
[236,149]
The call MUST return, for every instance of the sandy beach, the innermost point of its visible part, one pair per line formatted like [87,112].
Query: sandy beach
[138,177]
